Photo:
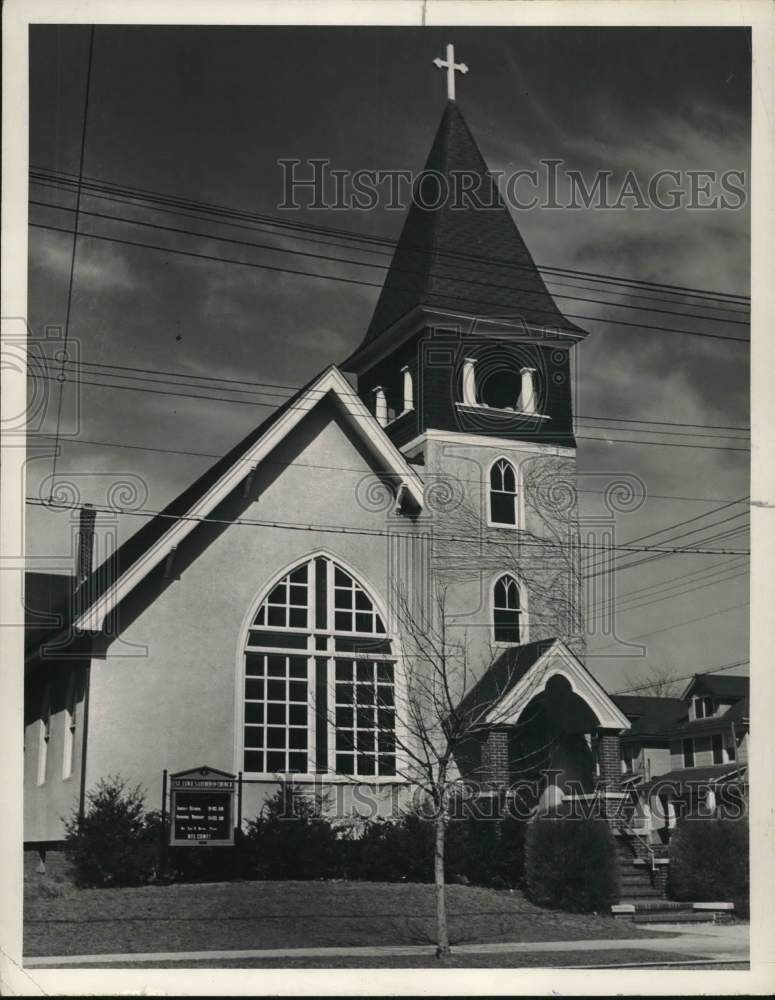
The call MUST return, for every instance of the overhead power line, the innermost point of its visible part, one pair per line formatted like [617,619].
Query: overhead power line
[331,468]
[252,402]
[688,677]
[150,378]
[372,284]
[620,287]
[669,628]
[692,520]
[269,389]
[77,211]
[713,572]
[369,532]
[157,198]
[211,237]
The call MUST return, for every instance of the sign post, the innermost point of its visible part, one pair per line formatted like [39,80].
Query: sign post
[202,808]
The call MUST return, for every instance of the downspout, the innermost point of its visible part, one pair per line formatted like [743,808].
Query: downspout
[84,740]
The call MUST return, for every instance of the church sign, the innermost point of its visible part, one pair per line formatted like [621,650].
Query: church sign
[202,808]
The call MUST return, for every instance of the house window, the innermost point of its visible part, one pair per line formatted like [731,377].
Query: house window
[688,752]
[717,744]
[319,678]
[44,733]
[503,493]
[731,749]
[704,708]
[68,747]
[506,610]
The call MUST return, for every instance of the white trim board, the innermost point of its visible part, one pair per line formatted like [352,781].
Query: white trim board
[332,383]
[412,447]
[558,659]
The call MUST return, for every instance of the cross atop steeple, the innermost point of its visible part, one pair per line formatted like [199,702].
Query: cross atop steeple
[450,65]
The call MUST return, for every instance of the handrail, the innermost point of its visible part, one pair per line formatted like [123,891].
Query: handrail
[631,832]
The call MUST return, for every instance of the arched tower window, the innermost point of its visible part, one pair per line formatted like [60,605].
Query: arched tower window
[506,610]
[503,493]
[319,678]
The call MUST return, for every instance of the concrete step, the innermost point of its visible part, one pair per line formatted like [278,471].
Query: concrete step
[673,917]
[649,904]
[641,892]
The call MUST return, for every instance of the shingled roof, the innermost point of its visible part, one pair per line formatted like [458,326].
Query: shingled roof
[650,715]
[729,686]
[466,256]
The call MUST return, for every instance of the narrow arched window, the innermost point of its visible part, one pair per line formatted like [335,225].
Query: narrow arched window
[319,678]
[503,493]
[506,610]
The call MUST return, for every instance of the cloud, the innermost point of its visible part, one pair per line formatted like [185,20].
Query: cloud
[99,266]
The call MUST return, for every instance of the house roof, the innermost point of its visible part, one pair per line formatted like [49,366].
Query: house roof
[129,564]
[466,255]
[727,686]
[650,715]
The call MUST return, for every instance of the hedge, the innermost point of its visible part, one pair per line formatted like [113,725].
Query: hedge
[709,862]
[118,843]
[571,864]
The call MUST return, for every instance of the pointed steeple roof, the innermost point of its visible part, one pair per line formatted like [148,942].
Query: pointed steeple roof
[467,255]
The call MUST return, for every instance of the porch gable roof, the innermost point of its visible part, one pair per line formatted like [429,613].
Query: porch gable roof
[521,672]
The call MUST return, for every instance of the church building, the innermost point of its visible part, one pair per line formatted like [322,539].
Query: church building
[270,621]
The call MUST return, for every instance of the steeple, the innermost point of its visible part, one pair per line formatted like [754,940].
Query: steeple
[462,253]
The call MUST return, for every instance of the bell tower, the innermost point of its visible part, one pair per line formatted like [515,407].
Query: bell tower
[466,365]
[465,336]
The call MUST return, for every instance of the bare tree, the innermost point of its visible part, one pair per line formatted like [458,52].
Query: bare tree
[440,710]
[656,681]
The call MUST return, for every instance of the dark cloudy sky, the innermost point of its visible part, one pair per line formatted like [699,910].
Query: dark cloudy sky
[206,114]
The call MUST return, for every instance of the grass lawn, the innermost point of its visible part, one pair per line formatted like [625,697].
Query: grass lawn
[247,915]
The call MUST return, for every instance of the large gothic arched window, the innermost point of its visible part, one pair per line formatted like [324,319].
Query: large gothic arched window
[506,610]
[503,493]
[319,679]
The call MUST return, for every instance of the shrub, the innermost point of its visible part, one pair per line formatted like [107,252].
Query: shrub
[291,839]
[570,864]
[395,850]
[112,844]
[709,862]
[483,852]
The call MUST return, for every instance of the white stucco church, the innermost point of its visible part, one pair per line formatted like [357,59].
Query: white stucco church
[253,626]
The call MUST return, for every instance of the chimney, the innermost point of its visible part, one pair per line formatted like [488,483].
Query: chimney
[88,516]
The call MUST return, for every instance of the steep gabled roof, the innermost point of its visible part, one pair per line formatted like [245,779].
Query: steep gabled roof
[133,560]
[503,674]
[503,691]
[731,687]
[465,256]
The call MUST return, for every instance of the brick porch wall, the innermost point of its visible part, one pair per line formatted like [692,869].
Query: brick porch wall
[609,758]
[495,757]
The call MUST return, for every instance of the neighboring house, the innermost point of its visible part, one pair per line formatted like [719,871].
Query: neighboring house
[687,753]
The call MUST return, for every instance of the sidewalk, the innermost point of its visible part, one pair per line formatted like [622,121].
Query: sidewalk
[717,942]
